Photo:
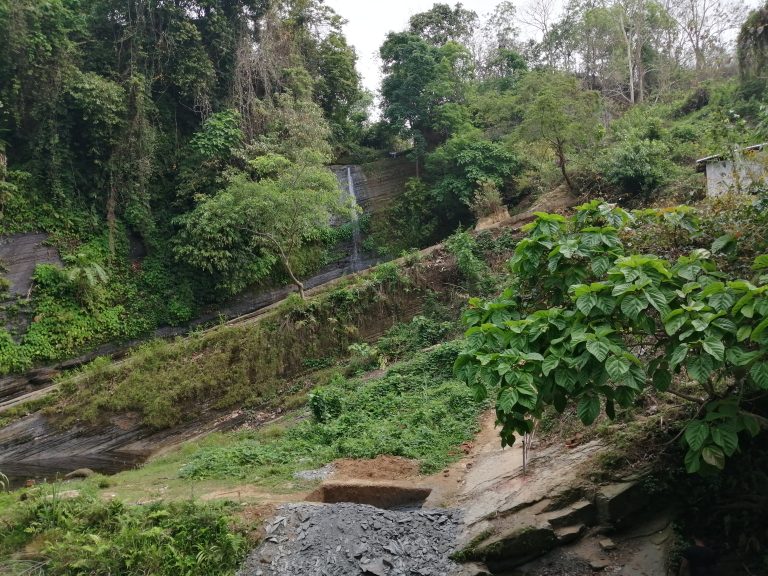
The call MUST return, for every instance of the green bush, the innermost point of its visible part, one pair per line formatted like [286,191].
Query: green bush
[417,410]
[639,166]
[326,403]
[87,535]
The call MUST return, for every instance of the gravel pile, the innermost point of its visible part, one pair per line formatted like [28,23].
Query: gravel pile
[314,475]
[354,540]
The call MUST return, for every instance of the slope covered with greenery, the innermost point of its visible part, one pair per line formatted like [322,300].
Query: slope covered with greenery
[199,131]
[202,129]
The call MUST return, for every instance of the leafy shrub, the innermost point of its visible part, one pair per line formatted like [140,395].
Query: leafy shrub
[363,358]
[87,535]
[13,358]
[462,245]
[642,322]
[639,166]
[325,403]
[419,333]
[487,199]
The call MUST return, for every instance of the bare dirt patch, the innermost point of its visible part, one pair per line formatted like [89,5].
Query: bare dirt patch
[380,468]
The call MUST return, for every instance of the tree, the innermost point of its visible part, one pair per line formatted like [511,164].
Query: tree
[556,110]
[461,167]
[441,24]
[423,86]
[705,24]
[627,323]
[497,56]
[242,232]
[752,44]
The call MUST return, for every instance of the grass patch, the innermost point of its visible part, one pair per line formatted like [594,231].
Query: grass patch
[416,410]
[27,408]
[90,535]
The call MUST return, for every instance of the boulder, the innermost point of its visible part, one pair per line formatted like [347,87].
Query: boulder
[617,502]
[516,545]
[580,512]
[79,473]
[569,534]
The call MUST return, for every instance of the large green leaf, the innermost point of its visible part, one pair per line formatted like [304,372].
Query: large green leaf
[674,321]
[740,357]
[616,366]
[714,348]
[759,329]
[721,300]
[693,461]
[700,367]
[722,242]
[507,399]
[714,456]
[632,306]
[588,409]
[726,438]
[586,303]
[657,299]
[696,434]
[678,355]
[599,349]
[744,333]
[549,364]
[759,374]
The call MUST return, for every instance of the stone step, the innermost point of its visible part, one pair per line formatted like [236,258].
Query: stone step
[569,534]
[580,512]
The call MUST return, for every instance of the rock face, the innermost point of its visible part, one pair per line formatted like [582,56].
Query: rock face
[19,254]
[377,184]
[356,539]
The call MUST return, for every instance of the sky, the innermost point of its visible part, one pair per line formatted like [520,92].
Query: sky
[369,21]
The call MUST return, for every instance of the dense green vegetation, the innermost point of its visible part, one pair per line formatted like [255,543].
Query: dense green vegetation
[416,410]
[247,366]
[589,319]
[89,535]
[198,131]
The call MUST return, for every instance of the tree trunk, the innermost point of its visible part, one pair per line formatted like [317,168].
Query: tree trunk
[284,259]
[628,40]
[295,280]
[561,161]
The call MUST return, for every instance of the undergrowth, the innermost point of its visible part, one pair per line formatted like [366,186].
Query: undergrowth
[416,410]
[89,535]
[249,365]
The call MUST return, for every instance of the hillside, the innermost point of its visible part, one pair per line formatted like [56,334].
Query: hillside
[512,322]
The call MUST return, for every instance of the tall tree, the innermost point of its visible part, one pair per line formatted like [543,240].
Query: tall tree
[422,86]
[752,44]
[705,25]
[442,24]
[558,111]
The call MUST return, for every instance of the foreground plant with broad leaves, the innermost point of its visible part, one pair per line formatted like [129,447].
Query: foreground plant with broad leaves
[605,326]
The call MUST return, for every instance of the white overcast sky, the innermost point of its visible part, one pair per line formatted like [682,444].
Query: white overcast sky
[369,21]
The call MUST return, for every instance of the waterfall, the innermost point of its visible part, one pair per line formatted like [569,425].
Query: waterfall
[355,259]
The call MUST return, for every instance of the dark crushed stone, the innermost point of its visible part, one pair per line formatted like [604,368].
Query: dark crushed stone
[556,563]
[353,540]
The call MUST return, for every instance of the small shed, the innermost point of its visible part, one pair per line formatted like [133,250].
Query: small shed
[737,171]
